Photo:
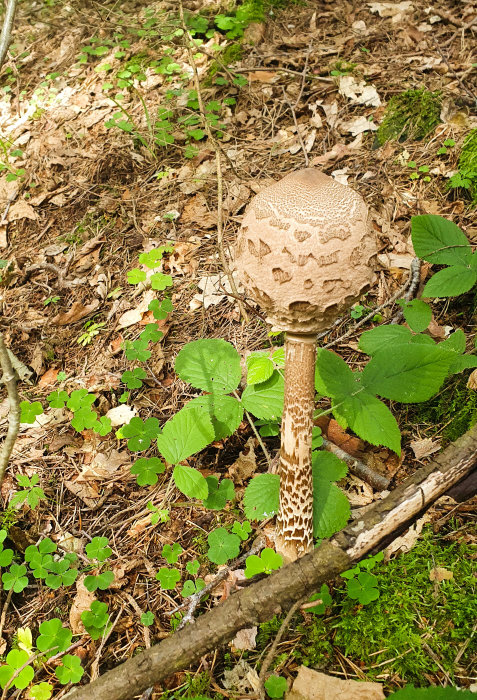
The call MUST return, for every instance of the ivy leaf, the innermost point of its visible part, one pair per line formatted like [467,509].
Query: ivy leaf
[98,549]
[225,412]
[450,282]
[140,433]
[331,509]
[323,599]
[222,546]
[417,314]
[407,373]
[168,578]
[53,637]
[189,431]
[218,494]
[210,364]
[265,400]
[171,554]
[190,482]
[146,470]
[70,670]
[439,240]
[369,418]
[259,368]
[261,498]
[275,686]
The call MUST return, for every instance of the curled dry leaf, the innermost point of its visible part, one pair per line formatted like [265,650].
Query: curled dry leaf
[49,377]
[359,93]
[245,466]
[472,381]
[76,313]
[440,574]
[358,126]
[120,415]
[81,602]
[425,447]
[242,678]
[245,639]
[313,685]
[133,316]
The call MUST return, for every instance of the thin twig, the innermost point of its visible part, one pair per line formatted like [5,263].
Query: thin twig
[196,598]
[4,611]
[452,71]
[95,664]
[7,29]
[391,300]
[213,141]
[415,275]
[9,379]
[358,468]
[292,110]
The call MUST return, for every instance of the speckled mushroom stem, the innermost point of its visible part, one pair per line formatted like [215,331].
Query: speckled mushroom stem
[295,518]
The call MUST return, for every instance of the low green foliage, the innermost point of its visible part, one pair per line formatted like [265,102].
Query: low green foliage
[275,686]
[96,619]
[466,177]
[223,546]
[410,115]
[267,562]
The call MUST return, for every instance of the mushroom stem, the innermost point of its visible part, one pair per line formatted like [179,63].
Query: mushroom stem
[295,517]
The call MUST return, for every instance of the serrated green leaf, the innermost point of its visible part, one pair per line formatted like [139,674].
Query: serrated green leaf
[439,240]
[462,362]
[407,373]
[331,509]
[265,400]
[212,365]
[259,368]
[225,412]
[455,342]
[218,494]
[377,338]
[190,482]
[332,375]
[450,282]
[370,419]
[261,498]
[417,314]
[186,433]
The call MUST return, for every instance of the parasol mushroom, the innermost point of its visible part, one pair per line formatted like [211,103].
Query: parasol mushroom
[305,254]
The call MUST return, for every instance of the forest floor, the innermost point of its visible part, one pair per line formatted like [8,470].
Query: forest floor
[87,187]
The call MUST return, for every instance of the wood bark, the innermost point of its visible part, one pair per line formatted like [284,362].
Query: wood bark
[277,593]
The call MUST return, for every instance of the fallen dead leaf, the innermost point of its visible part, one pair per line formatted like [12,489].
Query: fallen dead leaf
[396,10]
[76,313]
[21,210]
[88,493]
[212,292]
[197,211]
[263,76]
[241,678]
[358,125]
[104,465]
[245,639]
[81,602]
[436,330]
[313,685]
[336,434]
[338,151]
[120,415]
[359,93]
[440,574]
[406,542]
[472,380]
[424,448]
[245,466]
[391,260]
[133,316]
[49,377]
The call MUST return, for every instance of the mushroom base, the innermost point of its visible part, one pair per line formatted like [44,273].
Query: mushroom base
[295,518]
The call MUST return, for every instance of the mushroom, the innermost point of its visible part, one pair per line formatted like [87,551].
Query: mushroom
[305,254]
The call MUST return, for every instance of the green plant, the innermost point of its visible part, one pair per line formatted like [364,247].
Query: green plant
[223,546]
[443,150]
[31,493]
[418,171]
[15,660]
[410,115]
[360,584]
[70,670]
[96,619]
[168,578]
[466,176]
[267,562]
[91,330]
[53,638]
[275,686]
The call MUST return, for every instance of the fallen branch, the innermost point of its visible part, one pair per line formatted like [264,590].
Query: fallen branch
[278,593]
[7,29]
[10,381]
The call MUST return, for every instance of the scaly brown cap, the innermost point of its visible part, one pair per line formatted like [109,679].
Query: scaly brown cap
[305,251]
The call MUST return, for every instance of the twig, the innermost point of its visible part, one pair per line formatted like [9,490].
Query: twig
[390,301]
[9,379]
[413,282]
[292,110]
[273,649]
[452,71]
[4,611]
[196,598]
[11,199]
[7,29]
[286,70]
[147,634]
[210,136]
[359,468]
[97,658]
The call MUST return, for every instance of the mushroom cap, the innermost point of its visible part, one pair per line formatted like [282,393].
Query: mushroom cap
[305,251]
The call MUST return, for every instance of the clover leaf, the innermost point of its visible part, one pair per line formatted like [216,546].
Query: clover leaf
[171,554]
[132,378]
[146,470]
[140,433]
[160,309]
[103,426]
[15,578]
[98,549]
[243,530]
[222,546]
[29,411]
[101,581]
[70,671]
[80,399]
[193,567]
[40,691]
[57,399]
[275,686]
[95,619]
[151,333]
[323,599]
[136,276]
[267,562]
[147,618]
[191,587]
[168,578]
[15,660]
[159,281]
[363,588]
[137,350]
[53,637]
[218,494]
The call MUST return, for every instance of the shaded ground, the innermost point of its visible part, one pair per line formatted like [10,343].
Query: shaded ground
[82,200]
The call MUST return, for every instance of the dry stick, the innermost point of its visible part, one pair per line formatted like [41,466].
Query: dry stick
[195,598]
[210,136]
[359,468]
[97,658]
[412,275]
[452,71]
[415,277]
[255,604]
[292,110]
[9,379]
[7,29]
[4,611]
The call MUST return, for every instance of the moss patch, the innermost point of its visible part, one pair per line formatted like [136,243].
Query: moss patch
[411,115]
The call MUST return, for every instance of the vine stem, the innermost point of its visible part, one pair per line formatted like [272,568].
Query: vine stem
[213,141]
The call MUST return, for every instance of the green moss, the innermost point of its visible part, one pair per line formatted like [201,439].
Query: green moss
[413,613]
[455,407]
[410,115]
[466,177]
[315,648]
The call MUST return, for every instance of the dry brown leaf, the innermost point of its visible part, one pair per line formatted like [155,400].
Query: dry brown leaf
[104,466]
[88,493]
[3,236]
[263,76]
[21,210]
[313,685]
[349,444]
[436,330]
[472,380]
[242,678]
[76,313]
[245,639]
[81,602]
[424,448]
[440,574]
[197,211]
[133,316]
[36,362]
[406,542]
[49,377]
[245,466]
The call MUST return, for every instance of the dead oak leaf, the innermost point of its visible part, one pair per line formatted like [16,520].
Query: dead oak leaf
[424,448]
[76,313]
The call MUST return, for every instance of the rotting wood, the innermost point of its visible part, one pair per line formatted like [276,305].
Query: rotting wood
[276,594]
